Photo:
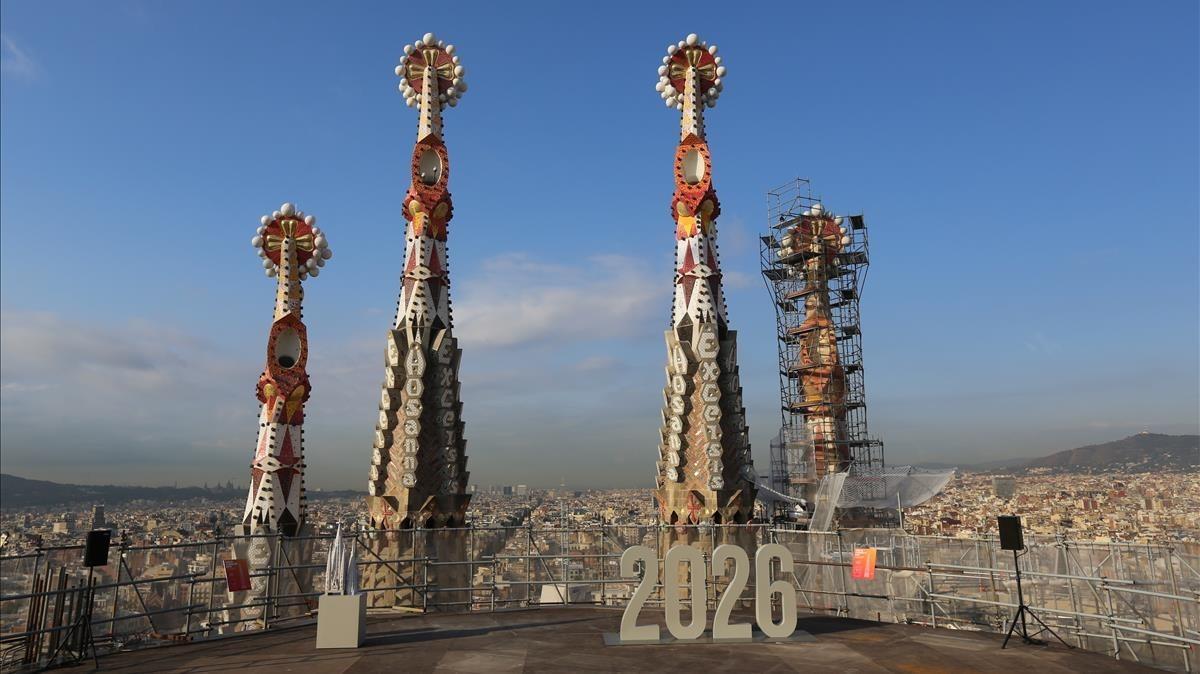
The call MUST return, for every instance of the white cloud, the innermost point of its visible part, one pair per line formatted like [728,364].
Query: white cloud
[16,61]
[514,300]
[113,395]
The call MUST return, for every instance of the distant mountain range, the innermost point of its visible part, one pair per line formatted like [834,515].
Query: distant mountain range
[18,492]
[1142,452]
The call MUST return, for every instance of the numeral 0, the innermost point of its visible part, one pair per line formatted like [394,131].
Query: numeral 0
[764,590]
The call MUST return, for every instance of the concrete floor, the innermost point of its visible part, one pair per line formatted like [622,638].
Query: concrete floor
[571,640]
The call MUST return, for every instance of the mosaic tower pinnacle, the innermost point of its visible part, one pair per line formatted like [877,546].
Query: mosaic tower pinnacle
[705,471]
[418,468]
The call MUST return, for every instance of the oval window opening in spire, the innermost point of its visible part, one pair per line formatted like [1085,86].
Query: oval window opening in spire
[693,166]
[287,348]
[429,167]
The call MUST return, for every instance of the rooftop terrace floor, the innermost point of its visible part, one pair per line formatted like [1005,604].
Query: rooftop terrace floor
[571,639]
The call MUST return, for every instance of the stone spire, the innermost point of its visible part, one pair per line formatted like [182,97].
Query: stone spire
[418,471]
[292,248]
[705,472]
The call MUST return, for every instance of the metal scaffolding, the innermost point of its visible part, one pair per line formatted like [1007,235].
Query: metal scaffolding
[814,265]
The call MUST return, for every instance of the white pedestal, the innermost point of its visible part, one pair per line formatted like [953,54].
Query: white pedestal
[341,620]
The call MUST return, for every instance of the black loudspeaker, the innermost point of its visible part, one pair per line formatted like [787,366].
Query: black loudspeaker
[1010,532]
[95,551]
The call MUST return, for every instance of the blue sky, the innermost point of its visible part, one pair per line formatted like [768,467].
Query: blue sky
[1029,172]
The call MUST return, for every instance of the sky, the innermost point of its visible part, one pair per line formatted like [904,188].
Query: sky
[1029,172]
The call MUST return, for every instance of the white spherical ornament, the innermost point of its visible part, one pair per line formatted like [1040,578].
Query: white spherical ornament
[460,71]
[662,70]
[320,242]
[671,49]
[817,209]
[256,241]
[261,253]
[400,71]
[429,39]
[710,103]
[310,263]
[314,272]
[442,43]
[681,44]
[454,60]
[320,260]
[269,272]
[327,254]
[410,102]
[712,49]
[288,209]
[311,221]
[303,274]
[267,264]
[453,102]
[260,230]
[451,91]
[275,215]
[719,85]
[407,49]
[838,221]
[462,86]
[264,221]
[806,212]
[666,60]
[720,71]
[660,86]
[691,38]
[712,92]
[442,97]
[670,101]
[679,105]
[717,60]
[670,90]
[450,49]
[845,241]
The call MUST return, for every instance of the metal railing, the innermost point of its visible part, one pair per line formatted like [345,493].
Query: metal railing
[1131,601]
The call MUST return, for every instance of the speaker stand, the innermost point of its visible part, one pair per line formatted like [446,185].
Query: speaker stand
[1022,611]
[83,628]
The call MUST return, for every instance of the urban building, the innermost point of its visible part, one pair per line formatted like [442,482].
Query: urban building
[1004,486]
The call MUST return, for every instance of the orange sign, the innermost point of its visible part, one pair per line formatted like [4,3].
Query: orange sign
[864,564]
[237,574]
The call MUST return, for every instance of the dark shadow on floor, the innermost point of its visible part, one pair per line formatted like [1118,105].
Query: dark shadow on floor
[434,634]
[823,625]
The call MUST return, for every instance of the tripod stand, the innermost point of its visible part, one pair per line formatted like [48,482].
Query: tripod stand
[1022,611]
[81,630]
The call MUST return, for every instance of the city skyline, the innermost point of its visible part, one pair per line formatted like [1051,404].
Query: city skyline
[1032,200]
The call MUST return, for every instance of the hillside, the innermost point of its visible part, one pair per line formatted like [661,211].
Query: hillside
[1141,452]
[19,492]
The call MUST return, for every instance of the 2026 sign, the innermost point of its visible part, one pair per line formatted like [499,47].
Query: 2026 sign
[722,629]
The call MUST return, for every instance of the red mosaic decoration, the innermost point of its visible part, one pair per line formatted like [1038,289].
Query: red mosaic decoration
[420,58]
[695,57]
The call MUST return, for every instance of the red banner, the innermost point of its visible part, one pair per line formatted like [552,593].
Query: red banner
[864,564]
[237,574]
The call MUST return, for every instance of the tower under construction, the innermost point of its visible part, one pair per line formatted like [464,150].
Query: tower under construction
[814,263]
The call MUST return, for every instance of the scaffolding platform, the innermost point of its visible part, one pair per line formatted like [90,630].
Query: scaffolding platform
[828,274]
